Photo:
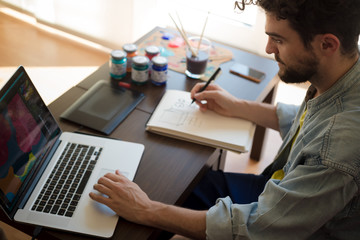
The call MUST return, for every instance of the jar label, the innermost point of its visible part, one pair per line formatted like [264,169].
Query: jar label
[140,76]
[159,76]
[118,69]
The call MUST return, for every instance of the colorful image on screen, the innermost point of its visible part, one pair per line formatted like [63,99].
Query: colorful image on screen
[23,135]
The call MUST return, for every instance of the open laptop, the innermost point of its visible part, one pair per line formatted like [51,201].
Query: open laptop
[41,185]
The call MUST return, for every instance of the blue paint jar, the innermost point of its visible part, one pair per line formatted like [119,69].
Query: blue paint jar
[117,64]
[159,70]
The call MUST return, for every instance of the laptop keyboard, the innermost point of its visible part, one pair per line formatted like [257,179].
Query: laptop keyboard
[62,191]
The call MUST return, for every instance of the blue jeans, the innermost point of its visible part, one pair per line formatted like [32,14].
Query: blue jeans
[241,188]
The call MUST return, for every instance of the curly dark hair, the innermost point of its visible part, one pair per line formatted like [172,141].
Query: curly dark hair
[312,17]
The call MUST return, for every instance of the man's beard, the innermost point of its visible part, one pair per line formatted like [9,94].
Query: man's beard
[304,70]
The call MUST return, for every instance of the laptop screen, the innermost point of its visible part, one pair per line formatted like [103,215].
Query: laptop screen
[27,131]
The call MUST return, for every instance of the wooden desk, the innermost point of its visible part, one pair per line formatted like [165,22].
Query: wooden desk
[237,86]
[169,168]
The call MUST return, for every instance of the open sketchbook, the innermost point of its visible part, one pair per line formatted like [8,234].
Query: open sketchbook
[176,117]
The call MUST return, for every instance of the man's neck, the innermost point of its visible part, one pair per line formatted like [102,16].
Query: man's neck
[331,72]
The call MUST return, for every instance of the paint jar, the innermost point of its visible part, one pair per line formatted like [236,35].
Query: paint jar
[131,51]
[117,64]
[140,69]
[152,51]
[159,70]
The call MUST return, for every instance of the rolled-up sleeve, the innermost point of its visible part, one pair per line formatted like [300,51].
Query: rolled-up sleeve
[286,113]
[297,206]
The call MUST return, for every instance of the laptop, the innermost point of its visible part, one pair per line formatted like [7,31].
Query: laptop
[46,174]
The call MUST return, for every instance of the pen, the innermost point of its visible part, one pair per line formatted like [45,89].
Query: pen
[207,83]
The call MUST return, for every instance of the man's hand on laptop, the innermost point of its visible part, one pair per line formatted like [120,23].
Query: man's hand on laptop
[123,196]
[130,202]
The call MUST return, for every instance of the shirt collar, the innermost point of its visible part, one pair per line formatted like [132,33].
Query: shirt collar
[343,84]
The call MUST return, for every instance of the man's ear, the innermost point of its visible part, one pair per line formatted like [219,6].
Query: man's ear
[329,43]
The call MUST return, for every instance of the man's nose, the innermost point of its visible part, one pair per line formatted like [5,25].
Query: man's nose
[271,47]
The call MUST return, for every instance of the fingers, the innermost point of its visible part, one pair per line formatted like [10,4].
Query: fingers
[99,198]
[198,86]
[102,189]
[196,89]
[116,177]
[206,99]
[208,95]
[107,185]
[110,183]
[121,195]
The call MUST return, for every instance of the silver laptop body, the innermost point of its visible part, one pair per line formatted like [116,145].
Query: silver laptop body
[34,187]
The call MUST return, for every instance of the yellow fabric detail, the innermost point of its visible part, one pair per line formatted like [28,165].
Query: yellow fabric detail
[279,174]
[302,118]
[301,122]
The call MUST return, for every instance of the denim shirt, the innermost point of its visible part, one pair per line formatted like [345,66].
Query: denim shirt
[319,197]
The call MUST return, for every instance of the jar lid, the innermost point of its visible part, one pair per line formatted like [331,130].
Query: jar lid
[159,61]
[152,50]
[118,54]
[130,48]
[140,60]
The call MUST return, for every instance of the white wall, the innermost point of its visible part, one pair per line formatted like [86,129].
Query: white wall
[226,24]
[113,23]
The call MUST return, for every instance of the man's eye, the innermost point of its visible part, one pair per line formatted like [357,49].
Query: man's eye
[277,40]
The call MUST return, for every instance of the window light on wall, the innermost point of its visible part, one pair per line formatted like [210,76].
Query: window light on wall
[226,9]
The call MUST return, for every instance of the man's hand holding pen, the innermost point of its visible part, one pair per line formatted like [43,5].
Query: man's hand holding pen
[214,98]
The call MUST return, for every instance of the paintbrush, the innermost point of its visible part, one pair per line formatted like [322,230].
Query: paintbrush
[193,53]
[202,34]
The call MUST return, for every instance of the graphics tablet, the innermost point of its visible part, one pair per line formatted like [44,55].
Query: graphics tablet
[103,107]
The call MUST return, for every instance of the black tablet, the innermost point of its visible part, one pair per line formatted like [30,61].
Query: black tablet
[103,107]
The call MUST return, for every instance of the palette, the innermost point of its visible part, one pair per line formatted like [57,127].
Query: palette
[172,46]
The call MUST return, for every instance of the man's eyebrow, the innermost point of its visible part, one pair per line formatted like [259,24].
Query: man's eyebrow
[271,34]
